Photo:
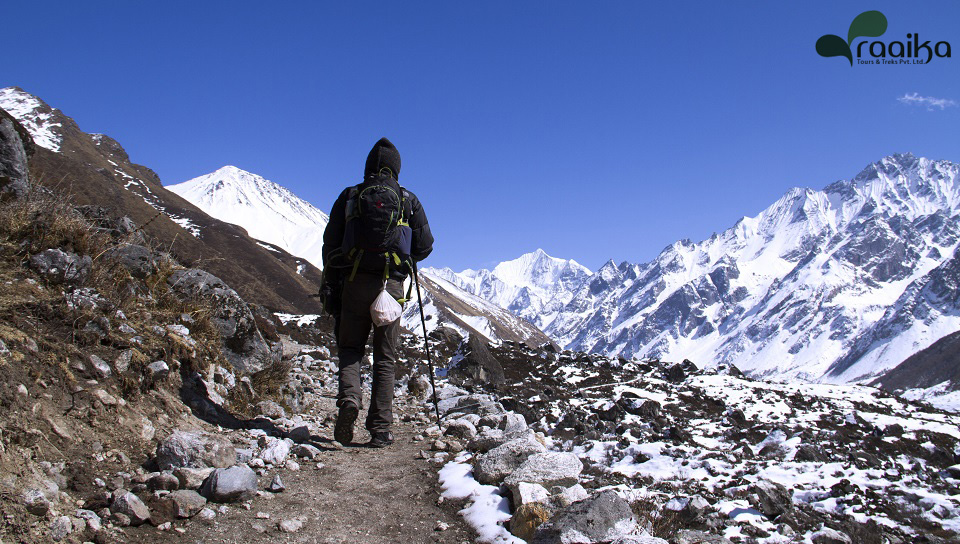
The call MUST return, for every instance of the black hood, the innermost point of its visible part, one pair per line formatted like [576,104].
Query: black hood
[383,155]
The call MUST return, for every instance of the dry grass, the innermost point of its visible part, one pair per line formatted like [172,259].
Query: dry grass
[657,520]
[45,220]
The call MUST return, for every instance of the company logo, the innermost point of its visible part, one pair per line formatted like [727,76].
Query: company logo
[872,24]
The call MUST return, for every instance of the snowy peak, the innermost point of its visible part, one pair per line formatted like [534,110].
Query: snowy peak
[35,115]
[820,281]
[534,286]
[537,269]
[268,211]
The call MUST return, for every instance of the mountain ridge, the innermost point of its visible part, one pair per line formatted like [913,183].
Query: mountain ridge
[267,210]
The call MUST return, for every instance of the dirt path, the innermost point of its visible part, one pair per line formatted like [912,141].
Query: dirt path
[357,494]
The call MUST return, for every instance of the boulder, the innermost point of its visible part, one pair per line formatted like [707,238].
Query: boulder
[195,449]
[243,344]
[770,498]
[185,503]
[525,492]
[268,408]
[276,451]
[139,261]
[419,387]
[495,465]
[603,517]
[130,505]
[699,537]
[15,146]
[191,478]
[59,266]
[487,439]
[830,536]
[512,422]
[547,469]
[236,483]
[477,366]
[461,429]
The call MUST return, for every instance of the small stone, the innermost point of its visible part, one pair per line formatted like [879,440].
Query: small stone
[290,525]
[441,526]
[165,481]
[92,519]
[122,363]
[166,526]
[527,518]
[186,503]
[130,505]
[61,528]
[105,398]
[207,514]
[158,371]
[262,515]
[271,409]
[120,520]
[292,465]
[100,367]
[526,492]
[299,434]
[305,451]
[276,485]
[35,502]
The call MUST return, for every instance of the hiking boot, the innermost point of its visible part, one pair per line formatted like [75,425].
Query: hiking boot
[380,439]
[343,431]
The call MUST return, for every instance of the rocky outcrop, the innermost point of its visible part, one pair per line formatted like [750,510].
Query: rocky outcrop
[477,365]
[601,518]
[244,345]
[16,146]
[195,449]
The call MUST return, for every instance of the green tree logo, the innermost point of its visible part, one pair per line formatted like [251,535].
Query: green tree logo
[869,24]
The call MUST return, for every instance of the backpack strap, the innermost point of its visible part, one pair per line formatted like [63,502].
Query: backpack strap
[404,214]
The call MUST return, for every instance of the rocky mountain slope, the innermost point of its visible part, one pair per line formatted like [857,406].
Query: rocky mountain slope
[94,170]
[266,210]
[699,456]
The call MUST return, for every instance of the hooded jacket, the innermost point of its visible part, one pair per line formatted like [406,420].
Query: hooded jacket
[382,167]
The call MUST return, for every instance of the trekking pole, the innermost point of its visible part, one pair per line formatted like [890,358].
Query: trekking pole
[423,322]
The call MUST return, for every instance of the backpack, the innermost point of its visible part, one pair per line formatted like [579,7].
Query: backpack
[377,234]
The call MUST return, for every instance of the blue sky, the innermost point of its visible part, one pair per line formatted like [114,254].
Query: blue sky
[595,130]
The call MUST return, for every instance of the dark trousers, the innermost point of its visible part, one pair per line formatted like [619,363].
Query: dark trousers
[354,329]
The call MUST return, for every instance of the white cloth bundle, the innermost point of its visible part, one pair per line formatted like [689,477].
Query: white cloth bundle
[385,309]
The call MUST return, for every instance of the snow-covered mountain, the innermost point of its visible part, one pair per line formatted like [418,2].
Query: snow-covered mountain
[445,304]
[835,285]
[266,210]
[276,216]
[534,286]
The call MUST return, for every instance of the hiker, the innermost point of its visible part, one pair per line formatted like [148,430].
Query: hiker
[377,231]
